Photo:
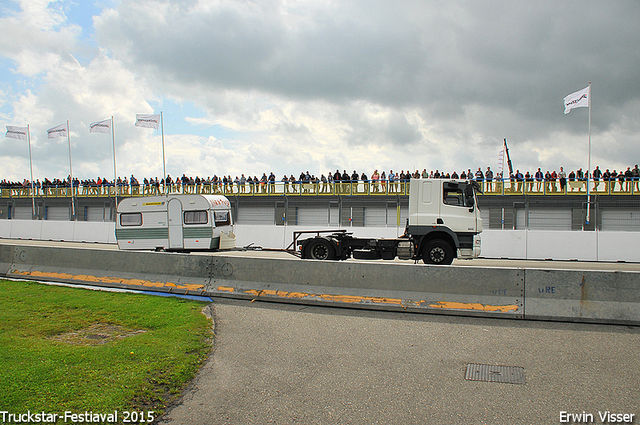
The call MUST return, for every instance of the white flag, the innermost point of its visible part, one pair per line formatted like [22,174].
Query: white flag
[59,131]
[147,121]
[579,99]
[16,132]
[100,126]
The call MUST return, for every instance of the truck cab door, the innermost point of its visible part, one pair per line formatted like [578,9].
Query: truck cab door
[455,211]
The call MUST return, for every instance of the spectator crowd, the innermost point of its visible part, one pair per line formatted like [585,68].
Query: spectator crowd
[380,182]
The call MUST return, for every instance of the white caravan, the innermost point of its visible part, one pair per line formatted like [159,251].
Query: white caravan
[175,223]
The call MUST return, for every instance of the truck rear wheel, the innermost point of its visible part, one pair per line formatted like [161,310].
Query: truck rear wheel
[437,251]
[320,249]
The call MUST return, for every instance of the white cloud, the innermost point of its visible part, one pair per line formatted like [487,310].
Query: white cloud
[307,85]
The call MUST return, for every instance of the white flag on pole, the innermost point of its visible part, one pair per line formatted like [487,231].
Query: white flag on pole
[14,132]
[147,121]
[58,131]
[579,99]
[100,126]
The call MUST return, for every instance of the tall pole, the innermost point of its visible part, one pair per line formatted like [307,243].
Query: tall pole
[589,161]
[115,173]
[506,148]
[73,207]
[164,169]
[33,199]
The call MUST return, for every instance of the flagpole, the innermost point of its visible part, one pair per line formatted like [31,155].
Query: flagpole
[73,208]
[589,161]
[33,199]
[164,169]
[115,173]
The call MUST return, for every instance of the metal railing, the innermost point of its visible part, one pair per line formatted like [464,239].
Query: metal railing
[230,189]
[496,187]
[555,187]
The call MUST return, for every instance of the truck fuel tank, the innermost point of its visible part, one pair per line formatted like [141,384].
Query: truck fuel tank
[405,250]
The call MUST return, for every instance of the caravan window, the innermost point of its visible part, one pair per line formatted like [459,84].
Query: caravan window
[222,218]
[195,217]
[131,219]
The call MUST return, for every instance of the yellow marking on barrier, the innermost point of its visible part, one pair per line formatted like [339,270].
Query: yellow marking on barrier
[225,289]
[107,279]
[474,306]
[300,295]
[353,299]
[357,299]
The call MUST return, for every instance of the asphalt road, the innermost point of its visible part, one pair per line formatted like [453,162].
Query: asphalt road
[288,364]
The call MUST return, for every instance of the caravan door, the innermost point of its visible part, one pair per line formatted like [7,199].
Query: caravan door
[174,209]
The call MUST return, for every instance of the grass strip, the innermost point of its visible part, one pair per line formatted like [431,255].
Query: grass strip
[67,349]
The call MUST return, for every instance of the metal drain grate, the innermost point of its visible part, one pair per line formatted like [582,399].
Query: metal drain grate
[488,373]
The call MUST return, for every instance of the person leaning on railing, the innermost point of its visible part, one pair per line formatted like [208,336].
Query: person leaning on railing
[628,176]
[488,175]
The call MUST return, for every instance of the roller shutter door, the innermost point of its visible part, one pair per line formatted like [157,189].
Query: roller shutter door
[58,213]
[95,214]
[549,219]
[22,213]
[256,215]
[404,215]
[521,219]
[616,220]
[334,214]
[375,217]
[485,215]
[313,216]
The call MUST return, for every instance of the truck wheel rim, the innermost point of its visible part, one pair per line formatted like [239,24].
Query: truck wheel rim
[437,254]
[319,252]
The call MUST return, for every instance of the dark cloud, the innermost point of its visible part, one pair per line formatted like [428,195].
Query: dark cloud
[437,82]
[486,53]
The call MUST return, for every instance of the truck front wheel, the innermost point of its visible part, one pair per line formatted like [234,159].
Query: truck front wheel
[438,252]
[320,249]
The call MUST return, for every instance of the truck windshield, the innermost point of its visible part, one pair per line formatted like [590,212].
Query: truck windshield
[458,194]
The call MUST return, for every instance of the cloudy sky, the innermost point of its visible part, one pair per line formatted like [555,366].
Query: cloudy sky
[295,85]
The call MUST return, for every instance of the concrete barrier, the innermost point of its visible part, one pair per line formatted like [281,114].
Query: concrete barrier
[6,258]
[504,244]
[57,230]
[138,270]
[575,295]
[26,229]
[584,296]
[392,286]
[619,246]
[97,231]
[562,245]
[456,290]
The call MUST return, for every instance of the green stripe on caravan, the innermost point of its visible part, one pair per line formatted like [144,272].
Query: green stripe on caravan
[144,233]
[197,232]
